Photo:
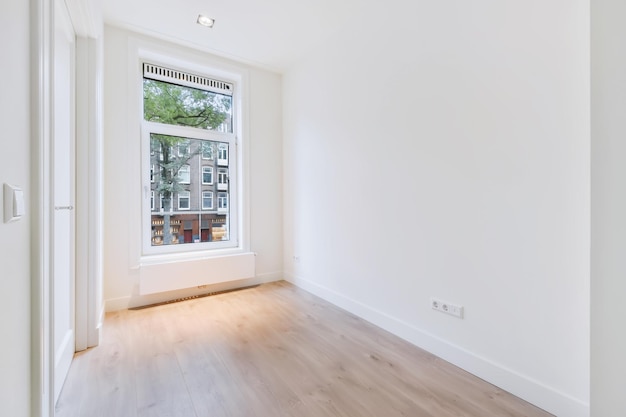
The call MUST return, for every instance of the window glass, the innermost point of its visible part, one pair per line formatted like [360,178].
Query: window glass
[222,201]
[207,200]
[222,179]
[207,175]
[183,200]
[185,106]
[207,152]
[184,174]
[183,194]
[188,137]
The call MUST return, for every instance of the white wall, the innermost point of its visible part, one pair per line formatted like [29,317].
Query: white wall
[121,275]
[444,151]
[14,237]
[608,208]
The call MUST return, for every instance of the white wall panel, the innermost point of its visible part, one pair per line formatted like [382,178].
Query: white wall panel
[15,167]
[444,151]
[608,208]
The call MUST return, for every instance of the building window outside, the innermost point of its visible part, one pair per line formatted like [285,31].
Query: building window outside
[207,200]
[184,124]
[183,200]
[222,179]
[161,203]
[222,201]
[207,152]
[222,156]
[184,174]
[207,175]
[184,149]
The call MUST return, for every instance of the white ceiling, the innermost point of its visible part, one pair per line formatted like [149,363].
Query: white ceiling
[268,33]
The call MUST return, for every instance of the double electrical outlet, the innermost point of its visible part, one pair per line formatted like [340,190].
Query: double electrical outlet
[446,307]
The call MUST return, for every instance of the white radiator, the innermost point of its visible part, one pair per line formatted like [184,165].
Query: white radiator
[192,273]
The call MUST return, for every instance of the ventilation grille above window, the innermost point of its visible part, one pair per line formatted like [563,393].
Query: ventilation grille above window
[156,72]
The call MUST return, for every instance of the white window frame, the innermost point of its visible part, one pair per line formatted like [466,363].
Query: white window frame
[210,158]
[222,179]
[161,208]
[210,169]
[187,149]
[186,170]
[222,156]
[141,251]
[152,200]
[192,133]
[184,195]
[212,199]
[221,207]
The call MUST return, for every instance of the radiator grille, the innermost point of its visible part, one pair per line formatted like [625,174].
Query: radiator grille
[156,72]
[193,297]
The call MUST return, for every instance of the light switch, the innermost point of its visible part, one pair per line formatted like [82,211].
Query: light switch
[18,203]
[14,206]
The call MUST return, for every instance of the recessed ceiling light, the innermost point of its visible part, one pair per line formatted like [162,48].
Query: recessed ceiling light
[205,21]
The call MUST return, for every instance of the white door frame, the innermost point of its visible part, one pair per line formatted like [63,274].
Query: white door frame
[42,375]
[62,182]
[89,187]
[87,20]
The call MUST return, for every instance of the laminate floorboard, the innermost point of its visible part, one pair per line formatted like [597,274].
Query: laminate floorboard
[269,351]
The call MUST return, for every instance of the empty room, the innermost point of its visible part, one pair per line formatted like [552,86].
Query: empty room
[313,208]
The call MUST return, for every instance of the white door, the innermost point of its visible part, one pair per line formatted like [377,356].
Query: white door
[63,173]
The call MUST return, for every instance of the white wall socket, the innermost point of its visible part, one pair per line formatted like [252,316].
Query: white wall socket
[446,307]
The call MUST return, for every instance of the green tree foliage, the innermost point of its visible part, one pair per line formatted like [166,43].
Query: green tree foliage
[183,106]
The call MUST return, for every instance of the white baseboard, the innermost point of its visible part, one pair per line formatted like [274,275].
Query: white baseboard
[123,303]
[116,304]
[533,391]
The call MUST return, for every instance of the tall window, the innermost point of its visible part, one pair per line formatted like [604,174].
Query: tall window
[222,179]
[184,148]
[184,174]
[222,201]
[207,175]
[207,200]
[188,121]
[183,200]
[222,155]
[207,152]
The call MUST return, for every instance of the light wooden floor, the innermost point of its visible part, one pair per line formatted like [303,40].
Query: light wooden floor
[268,351]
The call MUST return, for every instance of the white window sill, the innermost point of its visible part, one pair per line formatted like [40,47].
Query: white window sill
[164,258]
